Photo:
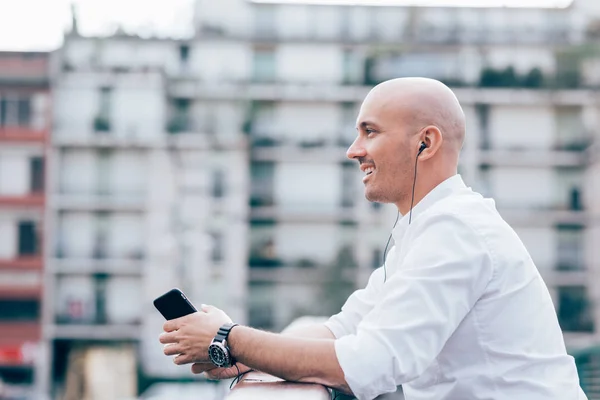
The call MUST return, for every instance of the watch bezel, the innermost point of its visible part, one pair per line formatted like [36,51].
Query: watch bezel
[222,346]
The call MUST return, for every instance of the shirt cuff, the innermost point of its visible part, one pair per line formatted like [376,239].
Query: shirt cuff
[335,327]
[364,367]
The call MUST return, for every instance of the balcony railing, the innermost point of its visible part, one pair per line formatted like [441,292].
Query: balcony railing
[261,386]
[22,134]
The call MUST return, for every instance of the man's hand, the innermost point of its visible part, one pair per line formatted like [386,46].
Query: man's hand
[190,336]
[216,373]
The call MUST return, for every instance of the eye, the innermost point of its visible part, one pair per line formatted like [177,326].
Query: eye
[370,131]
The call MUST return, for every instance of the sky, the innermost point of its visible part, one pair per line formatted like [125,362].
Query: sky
[39,25]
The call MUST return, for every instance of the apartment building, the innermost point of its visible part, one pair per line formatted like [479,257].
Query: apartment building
[144,195]
[24,132]
[217,164]
[525,80]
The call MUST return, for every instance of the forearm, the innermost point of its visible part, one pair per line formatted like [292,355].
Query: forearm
[289,357]
[314,331]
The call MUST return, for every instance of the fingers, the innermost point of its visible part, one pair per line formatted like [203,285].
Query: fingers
[198,368]
[182,359]
[166,338]
[171,349]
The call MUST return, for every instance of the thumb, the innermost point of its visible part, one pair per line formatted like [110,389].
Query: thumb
[206,308]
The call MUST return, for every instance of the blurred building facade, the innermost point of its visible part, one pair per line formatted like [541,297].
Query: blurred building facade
[217,164]
[24,129]
[144,195]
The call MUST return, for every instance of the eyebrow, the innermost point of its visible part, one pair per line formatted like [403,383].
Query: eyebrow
[364,124]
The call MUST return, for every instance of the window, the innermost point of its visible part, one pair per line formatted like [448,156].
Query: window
[102,120]
[3,111]
[24,111]
[570,131]
[218,184]
[101,240]
[483,119]
[217,251]
[28,243]
[348,124]
[350,67]
[574,309]
[103,172]
[19,310]
[264,65]
[262,176]
[568,188]
[105,101]
[36,172]
[15,111]
[349,178]
[180,119]
[184,53]
[376,259]
[570,250]
[264,21]
[260,122]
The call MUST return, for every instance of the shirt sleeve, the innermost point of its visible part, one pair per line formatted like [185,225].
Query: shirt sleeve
[443,274]
[357,306]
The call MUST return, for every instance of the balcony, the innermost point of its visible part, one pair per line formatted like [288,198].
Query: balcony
[86,266]
[334,91]
[21,134]
[533,157]
[23,201]
[20,331]
[100,202]
[431,35]
[304,213]
[20,263]
[267,148]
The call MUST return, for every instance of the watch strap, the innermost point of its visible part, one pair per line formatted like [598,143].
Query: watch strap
[223,331]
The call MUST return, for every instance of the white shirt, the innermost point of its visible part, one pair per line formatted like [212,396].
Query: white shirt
[464,313]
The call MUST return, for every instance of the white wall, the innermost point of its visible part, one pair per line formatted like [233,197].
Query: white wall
[311,187]
[8,233]
[128,173]
[126,235]
[307,121]
[124,299]
[514,127]
[14,173]
[316,242]
[220,61]
[321,63]
[76,233]
[522,187]
[77,172]
[138,112]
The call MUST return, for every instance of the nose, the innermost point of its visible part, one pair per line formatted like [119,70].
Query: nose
[356,149]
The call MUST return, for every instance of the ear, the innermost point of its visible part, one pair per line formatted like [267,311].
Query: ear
[433,139]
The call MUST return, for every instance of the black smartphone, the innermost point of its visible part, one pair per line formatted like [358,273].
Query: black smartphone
[174,304]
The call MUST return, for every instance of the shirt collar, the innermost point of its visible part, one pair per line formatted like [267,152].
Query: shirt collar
[444,189]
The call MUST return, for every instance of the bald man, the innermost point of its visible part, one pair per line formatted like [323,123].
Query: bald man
[458,311]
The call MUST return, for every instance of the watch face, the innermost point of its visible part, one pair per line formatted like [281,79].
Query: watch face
[218,355]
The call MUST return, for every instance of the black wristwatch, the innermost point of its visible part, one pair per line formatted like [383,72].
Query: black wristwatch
[218,351]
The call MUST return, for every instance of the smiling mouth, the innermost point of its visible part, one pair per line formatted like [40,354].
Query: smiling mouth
[369,171]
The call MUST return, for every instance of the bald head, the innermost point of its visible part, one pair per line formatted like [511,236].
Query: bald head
[421,102]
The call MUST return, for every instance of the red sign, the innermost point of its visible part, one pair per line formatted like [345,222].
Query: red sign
[17,354]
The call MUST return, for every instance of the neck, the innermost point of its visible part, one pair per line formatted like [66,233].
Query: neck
[421,190]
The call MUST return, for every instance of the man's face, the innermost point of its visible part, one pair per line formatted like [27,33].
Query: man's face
[382,150]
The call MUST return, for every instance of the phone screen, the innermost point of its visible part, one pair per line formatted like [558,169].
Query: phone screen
[174,304]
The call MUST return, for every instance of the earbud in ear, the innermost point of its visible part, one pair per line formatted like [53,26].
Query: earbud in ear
[423,147]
